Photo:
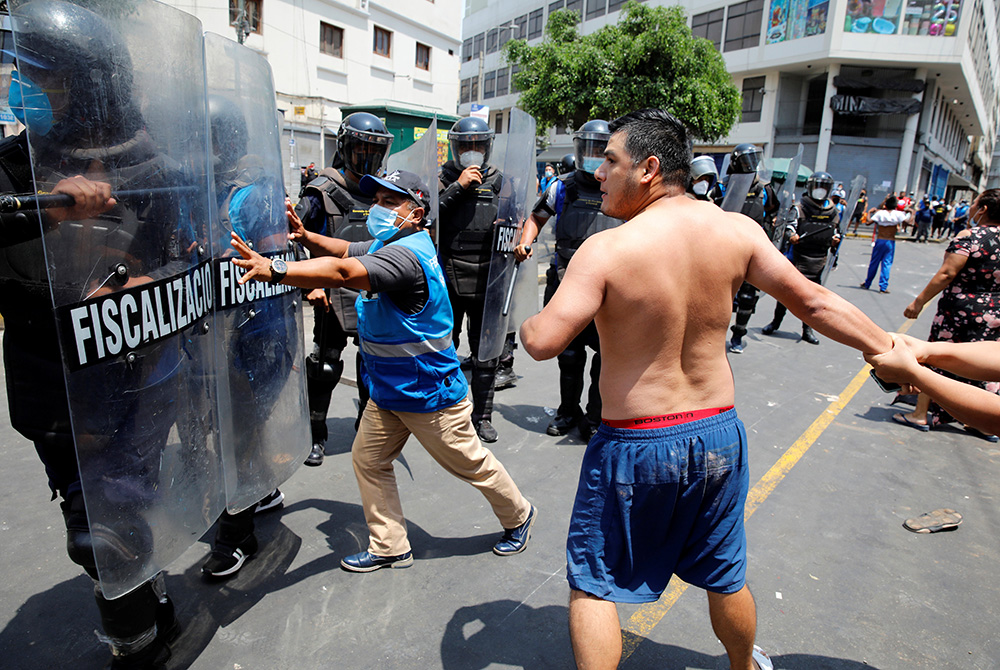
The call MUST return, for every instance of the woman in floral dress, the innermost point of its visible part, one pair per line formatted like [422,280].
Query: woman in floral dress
[969,308]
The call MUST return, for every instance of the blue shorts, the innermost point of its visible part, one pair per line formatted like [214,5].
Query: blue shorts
[657,502]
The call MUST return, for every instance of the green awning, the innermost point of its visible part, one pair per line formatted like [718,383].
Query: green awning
[780,170]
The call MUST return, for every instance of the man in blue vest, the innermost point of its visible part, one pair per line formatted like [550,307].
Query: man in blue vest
[408,363]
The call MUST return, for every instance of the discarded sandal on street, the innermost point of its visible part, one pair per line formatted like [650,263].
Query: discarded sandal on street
[933,522]
[902,419]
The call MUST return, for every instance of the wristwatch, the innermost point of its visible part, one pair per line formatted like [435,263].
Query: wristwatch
[278,270]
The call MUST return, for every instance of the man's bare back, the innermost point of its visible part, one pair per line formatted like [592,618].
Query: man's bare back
[660,288]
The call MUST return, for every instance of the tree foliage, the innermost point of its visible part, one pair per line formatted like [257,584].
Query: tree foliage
[648,59]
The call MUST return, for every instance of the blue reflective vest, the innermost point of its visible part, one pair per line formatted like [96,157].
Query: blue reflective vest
[408,361]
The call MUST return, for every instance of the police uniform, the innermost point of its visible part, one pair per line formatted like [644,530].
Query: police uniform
[575,200]
[332,205]
[465,243]
[761,205]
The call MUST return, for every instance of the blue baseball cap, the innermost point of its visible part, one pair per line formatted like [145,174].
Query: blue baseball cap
[399,181]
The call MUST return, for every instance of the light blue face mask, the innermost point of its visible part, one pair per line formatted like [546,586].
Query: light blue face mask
[29,104]
[382,222]
[591,163]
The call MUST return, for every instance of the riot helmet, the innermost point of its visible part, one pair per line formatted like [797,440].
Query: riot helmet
[568,164]
[704,174]
[229,134]
[363,143]
[744,159]
[589,143]
[471,142]
[819,185]
[73,82]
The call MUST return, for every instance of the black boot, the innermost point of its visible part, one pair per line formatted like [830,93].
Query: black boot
[235,542]
[138,626]
[808,336]
[505,377]
[483,373]
[315,456]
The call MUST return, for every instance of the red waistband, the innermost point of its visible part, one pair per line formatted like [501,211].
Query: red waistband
[665,419]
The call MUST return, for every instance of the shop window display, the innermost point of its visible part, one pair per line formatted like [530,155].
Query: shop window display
[931,18]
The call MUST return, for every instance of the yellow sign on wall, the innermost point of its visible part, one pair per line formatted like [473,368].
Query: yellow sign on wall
[300,110]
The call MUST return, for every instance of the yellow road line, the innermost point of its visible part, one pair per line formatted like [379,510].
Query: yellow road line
[646,617]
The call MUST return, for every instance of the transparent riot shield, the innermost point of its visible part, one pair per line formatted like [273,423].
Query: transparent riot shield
[421,158]
[518,187]
[736,191]
[786,197]
[119,97]
[263,420]
[857,184]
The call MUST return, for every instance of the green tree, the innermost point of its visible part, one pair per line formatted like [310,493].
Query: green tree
[648,59]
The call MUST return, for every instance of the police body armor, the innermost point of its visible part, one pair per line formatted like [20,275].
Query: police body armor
[347,217]
[581,215]
[466,231]
[816,228]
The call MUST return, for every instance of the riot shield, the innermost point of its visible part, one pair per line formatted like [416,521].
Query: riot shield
[518,186]
[131,288]
[421,158]
[737,188]
[857,184]
[263,421]
[786,197]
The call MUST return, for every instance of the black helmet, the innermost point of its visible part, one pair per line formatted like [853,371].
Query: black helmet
[229,133]
[819,180]
[363,143]
[568,163]
[66,47]
[744,159]
[471,134]
[590,141]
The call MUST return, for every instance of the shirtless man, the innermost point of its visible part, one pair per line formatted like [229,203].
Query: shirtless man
[663,306]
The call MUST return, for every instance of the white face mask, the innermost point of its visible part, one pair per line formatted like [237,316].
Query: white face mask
[700,187]
[819,193]
[471,158]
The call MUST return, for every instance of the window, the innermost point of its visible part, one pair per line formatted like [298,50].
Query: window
[514,69]
[709,26]
[253,14]
[464,91]
[478,45]
[753,99]
[535,24]
[331,40]
[596,8]
[522,28]
[556,6]
[491,41]
[503,79]
[489,85]
[474,88]
[575,6]
[423,61]
[743,25]
[467,50]
[498,123]
[615,5]
[382,44]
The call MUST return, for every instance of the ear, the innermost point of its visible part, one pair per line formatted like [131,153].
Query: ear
[418,218]
[650,170]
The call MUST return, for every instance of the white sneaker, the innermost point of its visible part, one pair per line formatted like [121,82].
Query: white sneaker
[762,660]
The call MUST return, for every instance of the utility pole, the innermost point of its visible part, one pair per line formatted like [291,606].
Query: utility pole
[242,22]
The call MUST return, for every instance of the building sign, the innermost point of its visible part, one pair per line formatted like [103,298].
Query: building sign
[480,112]
[442,142]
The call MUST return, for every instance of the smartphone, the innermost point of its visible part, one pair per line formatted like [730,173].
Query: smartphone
[888,387]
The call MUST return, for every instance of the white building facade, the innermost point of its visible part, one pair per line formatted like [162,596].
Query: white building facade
[326,54]
[905,92]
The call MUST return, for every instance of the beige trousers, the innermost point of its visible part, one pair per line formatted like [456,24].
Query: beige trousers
[449,437]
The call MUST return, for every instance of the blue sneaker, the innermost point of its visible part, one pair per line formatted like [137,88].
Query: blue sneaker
[369,562]
[736,346]
[514,540]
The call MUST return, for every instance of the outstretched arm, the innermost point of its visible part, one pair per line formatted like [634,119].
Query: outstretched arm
[815,305]
[318,245]
[322,272]
[574,305]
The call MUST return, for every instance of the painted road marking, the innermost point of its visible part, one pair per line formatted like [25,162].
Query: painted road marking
[642,622]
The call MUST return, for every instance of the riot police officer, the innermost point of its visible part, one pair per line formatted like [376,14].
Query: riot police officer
[761,205]
[333,205]
[704,176]
[73,90]
[468,208]
[575,201]
[813,233]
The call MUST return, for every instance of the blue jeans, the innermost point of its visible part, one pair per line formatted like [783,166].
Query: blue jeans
[882,255]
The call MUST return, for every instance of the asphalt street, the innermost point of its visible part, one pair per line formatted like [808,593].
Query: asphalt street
[839,583]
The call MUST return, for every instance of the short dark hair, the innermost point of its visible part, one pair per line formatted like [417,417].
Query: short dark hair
[657,132]
[890,202]
[990,201]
